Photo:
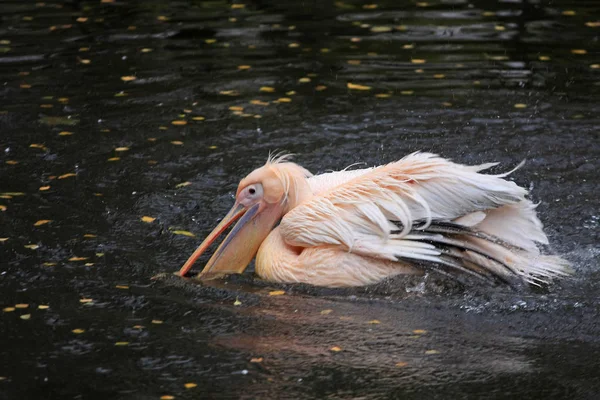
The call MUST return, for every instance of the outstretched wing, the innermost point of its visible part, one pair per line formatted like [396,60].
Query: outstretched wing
[394,212]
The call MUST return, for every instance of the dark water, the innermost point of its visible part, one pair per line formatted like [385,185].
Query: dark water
[474,81]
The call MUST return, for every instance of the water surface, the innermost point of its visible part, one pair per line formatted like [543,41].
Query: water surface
[126,126]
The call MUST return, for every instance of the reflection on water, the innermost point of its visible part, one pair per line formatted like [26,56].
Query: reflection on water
[127,125]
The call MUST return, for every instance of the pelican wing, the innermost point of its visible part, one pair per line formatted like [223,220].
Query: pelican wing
[398,211]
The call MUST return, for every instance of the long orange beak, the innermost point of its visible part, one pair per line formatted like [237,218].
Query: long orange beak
[242,243]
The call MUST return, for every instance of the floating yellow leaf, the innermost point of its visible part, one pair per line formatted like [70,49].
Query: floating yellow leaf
[177,142]
[407,92]
[121,343]
[81,19]
[229,92]
[408,46]
[244,67]
[418,61]
[162,18]
[336,348]
[237,302]
[569,13]
[78,258]
[49,264]
[544,58]
[595,66]
[357,87]
[37,146]
[500,28]
[381,29]
[326,312]
[3,240]
[579,51]
[291,93]
[122,149]
[138,327]
[210,41]
[419,331]
[147,219]
[284,100]
[304,80]
[12,162]
[276,293]
[89,264]
[267,89]
[42,222]
[128,78]
[122,287]
[293,45]
[167,396]
[184,233]
[520,105]
[69,175]
[112,159]
[179,122]
[21,305]
[383,95]
[370,6]
[432,352]
[89,235]
[25,86]
[320,88]
[593,24]
[190,385]
[439,76]
[198,118]
[353,62]
[85,301]
[256,360]
[31,246]
[157,321]
[43,188]
[401,364]
[146,50]
[25,316]
[238,6]
[259,102]
[8,309]
[43,307]
[78,331]
[3,207]
[374,322]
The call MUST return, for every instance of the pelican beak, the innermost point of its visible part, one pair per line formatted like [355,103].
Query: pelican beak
[240,245]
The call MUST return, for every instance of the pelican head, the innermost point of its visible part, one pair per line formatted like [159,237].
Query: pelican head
[262,198]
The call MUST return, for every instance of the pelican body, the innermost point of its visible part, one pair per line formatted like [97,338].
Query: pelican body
[358,227]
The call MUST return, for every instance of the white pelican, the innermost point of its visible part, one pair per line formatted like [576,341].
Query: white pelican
[358,227]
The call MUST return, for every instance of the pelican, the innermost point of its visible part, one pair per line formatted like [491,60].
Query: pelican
[358,227]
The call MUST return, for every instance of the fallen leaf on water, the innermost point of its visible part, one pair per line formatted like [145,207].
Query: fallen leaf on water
[49,264]
[357,87]
[122,149]
[122,287]
[401,364]
[177,142]
[520,105]
[432,352]
[326,312]
[78,258]
[383,95]
[374,322]
[147,219]
[237,302]
[85,300]
[256,360]
[336,349]
[244,67]
[43,188]
[593,24]
[2,207]
[21,305]
[157,321]
[121,343]
[199,118]
[184,233]
[418,61]
[179,122]
[43,307]
[407,92]
[579,51]
[304,80]
[12,162]
[8,309]
[89,235]
[42,222]
[138,327]
[190,385]
[229,92]
[3,239]
[114,159]
[236,108]
[128,78]
[276,293]
[380,29]
[267,89]
[31,246]
[78,331]
[37,146]
[284,100]
[167,396]
[65,133]
[25,316]
[419,331]
[68,175]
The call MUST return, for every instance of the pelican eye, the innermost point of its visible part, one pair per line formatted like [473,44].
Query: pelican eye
[252,190]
